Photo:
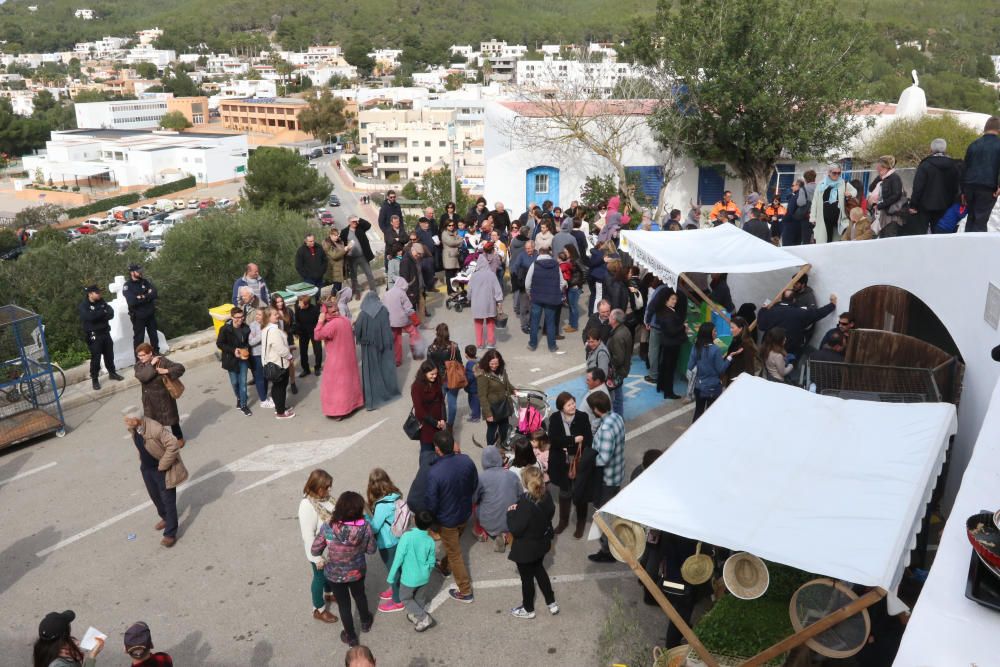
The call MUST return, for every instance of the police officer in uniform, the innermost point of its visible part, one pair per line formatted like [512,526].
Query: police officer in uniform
[95,313]
[141,298]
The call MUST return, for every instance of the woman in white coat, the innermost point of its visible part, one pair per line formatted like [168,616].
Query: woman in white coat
[828,214]
[315,509]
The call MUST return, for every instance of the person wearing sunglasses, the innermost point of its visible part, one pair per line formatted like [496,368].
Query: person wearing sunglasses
[829,213]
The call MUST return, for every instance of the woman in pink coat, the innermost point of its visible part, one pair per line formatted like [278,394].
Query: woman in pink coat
[340,390]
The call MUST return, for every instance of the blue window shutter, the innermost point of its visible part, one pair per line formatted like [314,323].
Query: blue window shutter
[650,180]
[782,177]
[711,184]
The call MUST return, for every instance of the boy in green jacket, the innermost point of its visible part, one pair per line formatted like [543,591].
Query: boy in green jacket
[412,568]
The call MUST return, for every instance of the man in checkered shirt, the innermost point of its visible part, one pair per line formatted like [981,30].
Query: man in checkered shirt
[609,443]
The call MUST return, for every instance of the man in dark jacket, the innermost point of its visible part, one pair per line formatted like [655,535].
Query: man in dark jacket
[410,270]
[793,319]
[601,320]
[310,261]
[936,186]
[306,319]
[451,485]
[518,274]
[141,297]
[358,252]
[620,348]
[389,208]
[501,219]
[545,286]
[981,182]
[832,349]
[234,343]
[95,314]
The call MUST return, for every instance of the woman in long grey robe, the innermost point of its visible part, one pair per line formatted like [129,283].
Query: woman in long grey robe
[378,367]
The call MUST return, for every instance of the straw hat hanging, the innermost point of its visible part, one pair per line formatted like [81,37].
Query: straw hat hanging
[632,536]
[697,569]
[745,576]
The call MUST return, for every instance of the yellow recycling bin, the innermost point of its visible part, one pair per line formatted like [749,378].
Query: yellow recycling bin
[220,314]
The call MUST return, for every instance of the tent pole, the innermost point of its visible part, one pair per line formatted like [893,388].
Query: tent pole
[655,591]
[704,297]
[803,271]
[825,623]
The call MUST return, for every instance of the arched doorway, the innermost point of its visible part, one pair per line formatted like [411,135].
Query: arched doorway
[891,308]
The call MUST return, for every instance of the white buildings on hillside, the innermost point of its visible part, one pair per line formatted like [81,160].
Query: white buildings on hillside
[85,14]
[108,47]
[243,88]
[597,79]
[149,35]
[225,64]
[145,53]
[312,56]
[386,59]
[121,114]
[136,159]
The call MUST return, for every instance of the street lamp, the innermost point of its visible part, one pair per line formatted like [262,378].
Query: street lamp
[451,143]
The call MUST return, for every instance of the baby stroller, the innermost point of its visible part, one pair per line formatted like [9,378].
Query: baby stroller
[459,298]
[531,408]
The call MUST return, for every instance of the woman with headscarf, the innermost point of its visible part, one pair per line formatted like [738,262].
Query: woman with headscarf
[485,296]
[340,389]
[378,369]
[828,214]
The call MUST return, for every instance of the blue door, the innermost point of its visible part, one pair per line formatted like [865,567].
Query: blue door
[542,183]
[711,184]
[650,181]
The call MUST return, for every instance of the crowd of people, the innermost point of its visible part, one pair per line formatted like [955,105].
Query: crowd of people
[532,475]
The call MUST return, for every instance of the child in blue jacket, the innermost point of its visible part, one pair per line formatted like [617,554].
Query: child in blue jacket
[411,569]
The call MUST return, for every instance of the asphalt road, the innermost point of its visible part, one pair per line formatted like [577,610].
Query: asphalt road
[78,534]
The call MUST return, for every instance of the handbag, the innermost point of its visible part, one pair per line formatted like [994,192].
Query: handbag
[272,371]
[454,371]
[174,387]
[574,463]
[411,427]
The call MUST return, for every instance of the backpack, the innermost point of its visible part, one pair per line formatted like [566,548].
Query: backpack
[529,419]
[402,519]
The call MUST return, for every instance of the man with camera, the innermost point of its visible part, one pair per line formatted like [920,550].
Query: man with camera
[234,342]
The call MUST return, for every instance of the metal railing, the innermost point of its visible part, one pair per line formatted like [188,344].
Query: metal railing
[887,384]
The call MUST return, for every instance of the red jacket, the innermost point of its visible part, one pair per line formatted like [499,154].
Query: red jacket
[428,407]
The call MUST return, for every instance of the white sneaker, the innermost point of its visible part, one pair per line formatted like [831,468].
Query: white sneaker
[267,403]
[554,608]
[521,612]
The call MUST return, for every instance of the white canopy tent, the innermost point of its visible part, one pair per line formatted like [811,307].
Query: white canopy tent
[947,628]
[722,249]
[830,486]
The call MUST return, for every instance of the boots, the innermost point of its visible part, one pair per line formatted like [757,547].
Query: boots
[565,504]
[581,521]
[95,384]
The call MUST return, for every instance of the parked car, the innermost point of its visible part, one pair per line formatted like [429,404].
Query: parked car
[206,203]
[315,153]
[98,223]
[326,218]
[223,203]
[140,213]
[121,213]
[74,234]
[338,147]
[334,200]
[128,234]
[157,217]
[165,205]
[329,149]
[192,203]
[86,229]
[180,203]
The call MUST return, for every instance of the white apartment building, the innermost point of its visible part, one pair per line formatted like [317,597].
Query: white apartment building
[108,47]
[404,144]
[138,159]
[22,102]
[121,114]
[597,79]
[243,88]
[145,53]
[492,48]
[604,49]
[149,35]
[386,58]
[223,63]
[314,55]
[85,14]
[460,50]
[320,73]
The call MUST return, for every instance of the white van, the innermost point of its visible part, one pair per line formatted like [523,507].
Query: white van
[127,234]
[164,205]
[174,218]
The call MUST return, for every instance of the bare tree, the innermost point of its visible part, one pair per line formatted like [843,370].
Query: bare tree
[597,113]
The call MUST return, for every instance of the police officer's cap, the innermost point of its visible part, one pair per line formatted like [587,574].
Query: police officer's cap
[134,267]
[91,288]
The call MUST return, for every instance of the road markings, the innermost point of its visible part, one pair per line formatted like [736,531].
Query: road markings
[26,473]
[443,596]
[280,460]
[556,376]
[659,421]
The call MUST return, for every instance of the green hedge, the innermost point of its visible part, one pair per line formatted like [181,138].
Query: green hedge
[103,205]
[167,188]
